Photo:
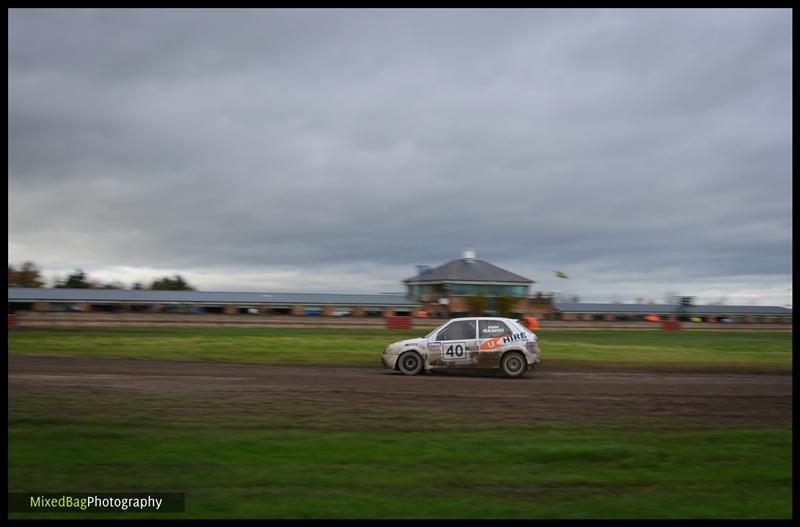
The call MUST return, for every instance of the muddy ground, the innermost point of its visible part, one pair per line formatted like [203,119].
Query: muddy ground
[372,395]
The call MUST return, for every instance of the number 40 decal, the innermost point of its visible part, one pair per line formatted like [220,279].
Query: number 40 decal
[455,350]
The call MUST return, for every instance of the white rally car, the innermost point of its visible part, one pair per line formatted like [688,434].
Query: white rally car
[476,342]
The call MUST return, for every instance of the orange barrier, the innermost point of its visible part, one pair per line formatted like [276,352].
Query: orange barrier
[531,322]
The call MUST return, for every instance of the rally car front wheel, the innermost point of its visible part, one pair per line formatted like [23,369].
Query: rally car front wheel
[410,363]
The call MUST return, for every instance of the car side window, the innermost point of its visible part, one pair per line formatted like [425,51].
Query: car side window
[461,330]
[488,329]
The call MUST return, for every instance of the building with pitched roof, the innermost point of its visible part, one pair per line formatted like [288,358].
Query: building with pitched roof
[452,288]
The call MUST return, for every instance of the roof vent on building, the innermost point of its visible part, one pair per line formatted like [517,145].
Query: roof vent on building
[469,255]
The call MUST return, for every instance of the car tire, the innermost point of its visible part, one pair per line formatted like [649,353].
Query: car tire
[513,364]
[410,363]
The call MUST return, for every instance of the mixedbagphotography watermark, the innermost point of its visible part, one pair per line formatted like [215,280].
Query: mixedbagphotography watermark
[96,502]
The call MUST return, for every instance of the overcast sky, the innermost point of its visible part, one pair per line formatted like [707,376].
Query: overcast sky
[639,151]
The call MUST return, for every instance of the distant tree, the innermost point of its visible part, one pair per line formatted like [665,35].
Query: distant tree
[477,305]
[137,286]
[504,305]
[176,283]
[671,297]
[27,276]
[76,280]
[112,285]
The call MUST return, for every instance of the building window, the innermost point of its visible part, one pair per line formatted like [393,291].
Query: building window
[488,290]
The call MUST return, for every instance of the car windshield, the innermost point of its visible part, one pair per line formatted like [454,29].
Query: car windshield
[433,333]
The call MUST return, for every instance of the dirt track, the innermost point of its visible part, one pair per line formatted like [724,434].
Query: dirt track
[546,393]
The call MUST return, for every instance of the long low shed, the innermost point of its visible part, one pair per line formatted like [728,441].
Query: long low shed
[706,313]
[41,299]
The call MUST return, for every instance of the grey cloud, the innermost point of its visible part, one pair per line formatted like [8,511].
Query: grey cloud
[610,139]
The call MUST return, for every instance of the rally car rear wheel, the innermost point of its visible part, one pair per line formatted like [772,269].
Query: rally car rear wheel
[513,364]
[410,363]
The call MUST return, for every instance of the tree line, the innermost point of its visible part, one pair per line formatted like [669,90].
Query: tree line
[29,275]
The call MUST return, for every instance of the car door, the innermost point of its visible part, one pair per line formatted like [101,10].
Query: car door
[490,341]
[455,345]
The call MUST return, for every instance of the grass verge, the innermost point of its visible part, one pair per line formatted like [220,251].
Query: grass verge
[682,350]
[233,462]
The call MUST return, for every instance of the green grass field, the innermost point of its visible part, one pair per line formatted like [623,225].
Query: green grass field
[681,350]
[241,457]
[234,463]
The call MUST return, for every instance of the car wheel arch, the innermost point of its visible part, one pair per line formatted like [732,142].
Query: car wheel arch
[518,350]
[515,373]
[423,362]
[421,353]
